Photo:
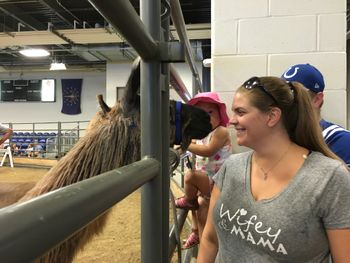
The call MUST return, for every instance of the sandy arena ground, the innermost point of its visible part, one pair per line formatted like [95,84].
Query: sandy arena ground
[120,240]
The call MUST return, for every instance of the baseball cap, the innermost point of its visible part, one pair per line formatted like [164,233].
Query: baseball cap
[307,75]
[212,97]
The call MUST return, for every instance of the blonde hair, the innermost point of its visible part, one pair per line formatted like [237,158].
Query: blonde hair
[298,116]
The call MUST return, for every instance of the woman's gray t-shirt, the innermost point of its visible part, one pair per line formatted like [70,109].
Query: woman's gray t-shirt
[290,227]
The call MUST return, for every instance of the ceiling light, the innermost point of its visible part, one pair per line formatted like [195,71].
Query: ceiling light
[34,52]
[57,66]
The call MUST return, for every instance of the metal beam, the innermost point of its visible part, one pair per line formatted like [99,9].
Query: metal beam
[56,6]
[27,20]
[123,17]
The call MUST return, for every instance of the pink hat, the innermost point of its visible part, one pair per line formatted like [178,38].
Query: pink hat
[212,97]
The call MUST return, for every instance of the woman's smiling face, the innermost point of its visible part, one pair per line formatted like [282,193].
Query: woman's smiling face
[249,121]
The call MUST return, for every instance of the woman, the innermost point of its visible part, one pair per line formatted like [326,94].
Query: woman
[288,199]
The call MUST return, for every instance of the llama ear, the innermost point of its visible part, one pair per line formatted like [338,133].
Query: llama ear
[105,108]
[131,99]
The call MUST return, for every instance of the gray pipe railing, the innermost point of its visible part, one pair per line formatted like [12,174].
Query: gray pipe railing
[42,217]
[123,17]
[153,219]
[181,218]
[31,228]
[179,22]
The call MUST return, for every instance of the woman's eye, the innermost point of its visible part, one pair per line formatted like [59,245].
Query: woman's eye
[210,112]
[239,112]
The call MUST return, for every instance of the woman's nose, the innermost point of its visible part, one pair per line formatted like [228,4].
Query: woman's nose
[233,120]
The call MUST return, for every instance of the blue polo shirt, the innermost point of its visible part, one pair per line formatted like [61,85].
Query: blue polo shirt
[337,139]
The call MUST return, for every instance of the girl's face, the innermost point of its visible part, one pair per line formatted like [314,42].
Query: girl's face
[249,122]
[213,111]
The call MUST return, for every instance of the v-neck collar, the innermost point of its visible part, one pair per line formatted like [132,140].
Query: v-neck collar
[292,183]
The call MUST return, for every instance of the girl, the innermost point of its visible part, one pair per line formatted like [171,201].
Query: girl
[210,154]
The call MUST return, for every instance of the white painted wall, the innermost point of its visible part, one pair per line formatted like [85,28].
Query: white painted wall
[117,75]
[93,83]
[265,37]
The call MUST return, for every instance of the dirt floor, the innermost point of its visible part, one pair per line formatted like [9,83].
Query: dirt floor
[120,240]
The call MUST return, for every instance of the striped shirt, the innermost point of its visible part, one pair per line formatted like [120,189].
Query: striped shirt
[337,139]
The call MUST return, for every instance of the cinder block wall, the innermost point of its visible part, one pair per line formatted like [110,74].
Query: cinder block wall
[264,37]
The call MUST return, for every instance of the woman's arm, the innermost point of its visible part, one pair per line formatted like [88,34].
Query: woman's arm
[208,246]
[339,242]
[219,139]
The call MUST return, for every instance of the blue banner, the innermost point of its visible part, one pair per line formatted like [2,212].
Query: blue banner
[71,93]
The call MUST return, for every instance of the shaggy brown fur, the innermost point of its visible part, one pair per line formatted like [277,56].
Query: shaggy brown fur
[12,192]
[112,140]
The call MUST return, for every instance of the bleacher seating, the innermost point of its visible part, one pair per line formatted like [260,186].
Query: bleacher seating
[23,139]
[48,140]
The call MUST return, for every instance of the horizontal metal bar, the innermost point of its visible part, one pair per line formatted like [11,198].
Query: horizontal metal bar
[123,17]
[35,226]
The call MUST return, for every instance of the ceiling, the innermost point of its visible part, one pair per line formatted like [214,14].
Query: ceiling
[76,34]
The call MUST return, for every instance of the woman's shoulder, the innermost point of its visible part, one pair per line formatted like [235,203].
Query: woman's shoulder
[239,157]
[323,160]
[323,163]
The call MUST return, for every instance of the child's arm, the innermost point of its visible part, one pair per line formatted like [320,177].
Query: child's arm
[219,139]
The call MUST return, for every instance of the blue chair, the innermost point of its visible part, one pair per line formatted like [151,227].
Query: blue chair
[42,140]
[28,140]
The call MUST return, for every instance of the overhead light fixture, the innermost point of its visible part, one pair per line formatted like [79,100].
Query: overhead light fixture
[58,66]
[34,52]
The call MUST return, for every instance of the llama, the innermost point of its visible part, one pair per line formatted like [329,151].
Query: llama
[112,140]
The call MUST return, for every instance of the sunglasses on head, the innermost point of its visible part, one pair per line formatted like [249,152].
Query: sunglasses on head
[254,82]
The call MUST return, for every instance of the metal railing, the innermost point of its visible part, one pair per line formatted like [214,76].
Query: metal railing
[35,226]
[25,235]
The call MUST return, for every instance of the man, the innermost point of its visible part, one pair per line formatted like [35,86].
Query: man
[336,137]
[5,133]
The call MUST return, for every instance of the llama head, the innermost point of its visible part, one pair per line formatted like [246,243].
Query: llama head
[195,123]
[187,123]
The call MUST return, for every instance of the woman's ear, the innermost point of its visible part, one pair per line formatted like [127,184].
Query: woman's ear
[274,116]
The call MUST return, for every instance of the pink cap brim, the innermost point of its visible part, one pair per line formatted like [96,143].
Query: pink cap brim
[224,119]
